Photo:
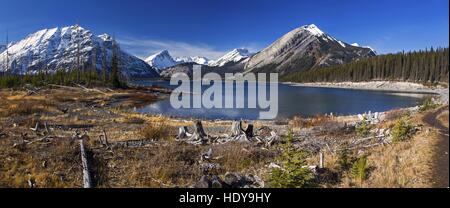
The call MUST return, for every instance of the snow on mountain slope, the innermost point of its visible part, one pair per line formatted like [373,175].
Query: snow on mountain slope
[233,56]
[161,60]
[305,48]
[196,59]
[61,48]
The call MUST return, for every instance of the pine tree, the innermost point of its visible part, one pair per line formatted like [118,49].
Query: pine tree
[115,79]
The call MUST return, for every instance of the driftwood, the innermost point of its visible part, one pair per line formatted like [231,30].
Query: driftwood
[87,179]
[35,128]
[31,90]
[71,126]
[90,90]
[131,144]
[321,160]
[63,87]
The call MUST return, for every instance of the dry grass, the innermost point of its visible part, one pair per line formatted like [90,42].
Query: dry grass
[17,105]
[395,114]
[156,131]
[168,164]
[297,122]
[47,165]
[406,164]
[176,164]
[239,157]
[154,167]
[443,118]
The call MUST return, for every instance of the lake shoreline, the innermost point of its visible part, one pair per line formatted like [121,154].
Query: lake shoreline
[383,86]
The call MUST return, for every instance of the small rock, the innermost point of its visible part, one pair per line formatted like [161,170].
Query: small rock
[232,179]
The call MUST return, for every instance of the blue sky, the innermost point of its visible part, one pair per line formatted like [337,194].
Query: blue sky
[213,27]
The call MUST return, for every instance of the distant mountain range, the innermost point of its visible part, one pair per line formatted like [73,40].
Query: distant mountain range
[163,60]
[304,48]
[61,48]
[2,48]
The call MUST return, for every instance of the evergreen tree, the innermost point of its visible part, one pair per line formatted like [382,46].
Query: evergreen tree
[115,79]
[429,66]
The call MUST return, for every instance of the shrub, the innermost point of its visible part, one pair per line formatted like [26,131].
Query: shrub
[428,104]
[363,129]
[344,160]
[360,169]
[402,130]
[292,174]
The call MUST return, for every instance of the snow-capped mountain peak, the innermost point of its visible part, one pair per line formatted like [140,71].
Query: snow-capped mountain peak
[312,28]
[61,48]
[161,60]
[233,56]
[304,48]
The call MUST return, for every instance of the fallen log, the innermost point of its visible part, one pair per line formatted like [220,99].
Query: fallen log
[131,144]
[87,179]
[90,90]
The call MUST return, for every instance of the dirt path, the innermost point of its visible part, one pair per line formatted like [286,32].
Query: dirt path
[440,176]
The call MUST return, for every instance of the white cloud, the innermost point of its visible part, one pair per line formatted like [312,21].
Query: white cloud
[145,47]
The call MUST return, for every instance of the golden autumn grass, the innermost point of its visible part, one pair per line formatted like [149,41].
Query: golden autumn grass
[57,163]
[170,164]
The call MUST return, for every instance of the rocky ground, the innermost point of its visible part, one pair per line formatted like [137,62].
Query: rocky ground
[40,130]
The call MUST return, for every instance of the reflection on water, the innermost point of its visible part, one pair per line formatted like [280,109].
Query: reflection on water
[294,100]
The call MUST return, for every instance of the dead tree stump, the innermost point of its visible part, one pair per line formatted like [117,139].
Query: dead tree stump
[199,133]
[249,131]
[236,128]
[183,133]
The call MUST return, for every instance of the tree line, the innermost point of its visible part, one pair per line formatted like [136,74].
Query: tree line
[425,66]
